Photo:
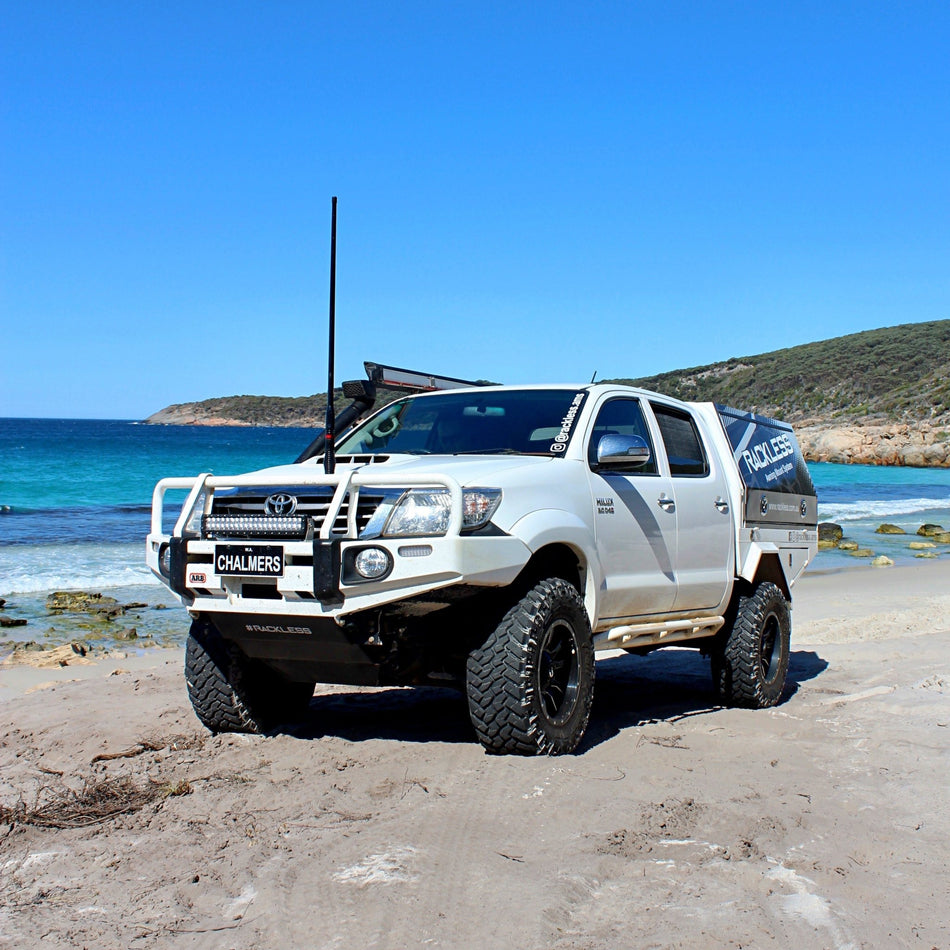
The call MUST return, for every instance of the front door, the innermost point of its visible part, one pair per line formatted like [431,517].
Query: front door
[635,523]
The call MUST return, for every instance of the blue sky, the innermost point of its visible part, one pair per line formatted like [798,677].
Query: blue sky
[528,192]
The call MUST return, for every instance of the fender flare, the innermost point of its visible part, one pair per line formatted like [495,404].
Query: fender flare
[557,526]
[763,562]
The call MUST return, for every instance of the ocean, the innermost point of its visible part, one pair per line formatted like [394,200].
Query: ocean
[75,503]
[75,499]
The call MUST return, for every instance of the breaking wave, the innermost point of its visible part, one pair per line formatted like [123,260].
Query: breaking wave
[30,569]
[870,509]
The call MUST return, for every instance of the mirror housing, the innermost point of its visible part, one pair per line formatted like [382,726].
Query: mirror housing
[622,451]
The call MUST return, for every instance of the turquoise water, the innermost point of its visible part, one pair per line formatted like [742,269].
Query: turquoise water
[861,497]
[75,495]
[55,463]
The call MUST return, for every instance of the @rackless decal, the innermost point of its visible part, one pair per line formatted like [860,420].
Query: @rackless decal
[559,444]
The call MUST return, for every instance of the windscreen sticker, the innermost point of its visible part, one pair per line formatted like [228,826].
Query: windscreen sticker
[559,444]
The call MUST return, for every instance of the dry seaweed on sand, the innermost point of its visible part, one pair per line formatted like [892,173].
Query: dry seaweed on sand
[98,800]
[154,743]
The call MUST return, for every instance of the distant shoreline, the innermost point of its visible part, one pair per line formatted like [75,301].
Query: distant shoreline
[909,444]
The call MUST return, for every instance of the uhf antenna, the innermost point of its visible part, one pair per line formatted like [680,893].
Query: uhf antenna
[329,459]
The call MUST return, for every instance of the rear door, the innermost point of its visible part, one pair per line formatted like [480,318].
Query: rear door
[705,532]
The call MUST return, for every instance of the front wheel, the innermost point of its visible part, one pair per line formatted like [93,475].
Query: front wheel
[230,692]
[750,664]
[530,685]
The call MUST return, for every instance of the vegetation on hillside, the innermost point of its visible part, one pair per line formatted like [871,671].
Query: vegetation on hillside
[895,374]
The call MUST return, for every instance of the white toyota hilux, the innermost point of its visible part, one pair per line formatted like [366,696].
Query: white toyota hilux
[493,538]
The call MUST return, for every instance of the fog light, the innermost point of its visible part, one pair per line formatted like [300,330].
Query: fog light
[165,560]
[372,563]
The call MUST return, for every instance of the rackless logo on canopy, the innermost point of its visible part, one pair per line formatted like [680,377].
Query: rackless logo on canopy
[768,453]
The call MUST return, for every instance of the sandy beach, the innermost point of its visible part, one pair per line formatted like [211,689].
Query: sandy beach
[380,822]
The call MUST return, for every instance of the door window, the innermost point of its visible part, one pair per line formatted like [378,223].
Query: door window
[621,417]
[684,448]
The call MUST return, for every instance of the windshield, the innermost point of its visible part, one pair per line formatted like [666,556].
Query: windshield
[515,422]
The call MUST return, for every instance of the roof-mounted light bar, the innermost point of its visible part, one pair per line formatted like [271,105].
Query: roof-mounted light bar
[396,378]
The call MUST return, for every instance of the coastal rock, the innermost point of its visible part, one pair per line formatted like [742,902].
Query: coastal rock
[829,531]
[921,545]
[29,654]
[889,529]
[81,601]
[882,560]
[848,546]
[928,530]
[942,538]
[918,445]
[862,552]
[926,554]
[109,613]
[128,633]
[12,622]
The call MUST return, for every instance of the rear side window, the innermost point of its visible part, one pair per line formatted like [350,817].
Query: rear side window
[684,448]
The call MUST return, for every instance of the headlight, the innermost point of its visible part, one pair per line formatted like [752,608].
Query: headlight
[420,512]
[424,512]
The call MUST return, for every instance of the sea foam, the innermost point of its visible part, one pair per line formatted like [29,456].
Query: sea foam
[30,569]
[868,509]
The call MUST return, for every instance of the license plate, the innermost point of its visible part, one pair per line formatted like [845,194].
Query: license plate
[242,560]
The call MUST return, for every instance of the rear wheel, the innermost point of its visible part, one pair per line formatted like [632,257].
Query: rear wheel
[750,665]
[530,685]
[233,693]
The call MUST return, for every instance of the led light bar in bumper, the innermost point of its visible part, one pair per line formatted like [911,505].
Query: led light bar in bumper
[254,526]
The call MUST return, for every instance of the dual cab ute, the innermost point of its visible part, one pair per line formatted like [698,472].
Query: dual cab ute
[494,538]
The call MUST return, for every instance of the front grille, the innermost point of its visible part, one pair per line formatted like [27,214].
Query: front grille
[240,514]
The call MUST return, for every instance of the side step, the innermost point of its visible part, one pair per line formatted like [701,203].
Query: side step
[657,633]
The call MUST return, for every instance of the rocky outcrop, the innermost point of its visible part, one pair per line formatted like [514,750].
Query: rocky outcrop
[32,654]
[917,445]
[191,415]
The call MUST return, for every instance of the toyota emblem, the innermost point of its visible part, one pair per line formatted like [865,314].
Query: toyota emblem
[280,504]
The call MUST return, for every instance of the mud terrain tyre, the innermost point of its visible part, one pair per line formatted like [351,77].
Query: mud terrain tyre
[751,663]
[530,684]
[232,693]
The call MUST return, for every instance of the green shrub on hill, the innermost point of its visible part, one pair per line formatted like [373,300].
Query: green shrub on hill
[897,373]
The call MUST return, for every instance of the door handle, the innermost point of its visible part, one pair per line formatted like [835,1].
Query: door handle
[722,505]
[667,504]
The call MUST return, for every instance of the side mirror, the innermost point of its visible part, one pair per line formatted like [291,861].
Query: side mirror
[622,451]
